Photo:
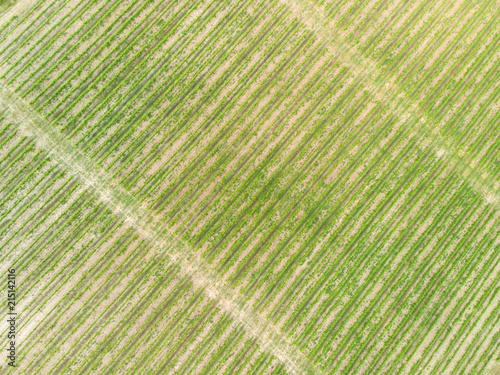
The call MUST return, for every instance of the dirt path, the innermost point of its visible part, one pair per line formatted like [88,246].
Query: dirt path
[396,100]
[149,226]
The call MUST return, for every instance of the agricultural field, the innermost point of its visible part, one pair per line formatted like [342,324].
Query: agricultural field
[251,187]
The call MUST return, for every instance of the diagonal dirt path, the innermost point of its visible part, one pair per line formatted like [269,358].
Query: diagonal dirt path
[397,101]
[148,225]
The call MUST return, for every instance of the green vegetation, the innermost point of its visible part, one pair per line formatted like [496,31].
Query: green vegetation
[4,4]
[258,186]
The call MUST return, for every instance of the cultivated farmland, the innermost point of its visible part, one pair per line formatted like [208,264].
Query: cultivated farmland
[251,187]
